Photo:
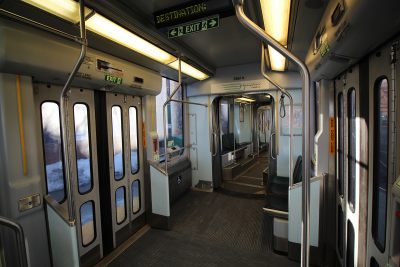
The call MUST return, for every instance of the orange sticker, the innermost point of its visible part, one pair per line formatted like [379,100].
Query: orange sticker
[332,136]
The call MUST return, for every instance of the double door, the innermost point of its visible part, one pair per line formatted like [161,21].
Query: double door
[100,218]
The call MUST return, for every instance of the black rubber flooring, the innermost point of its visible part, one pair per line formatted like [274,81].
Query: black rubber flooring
[208,229]
[249,181]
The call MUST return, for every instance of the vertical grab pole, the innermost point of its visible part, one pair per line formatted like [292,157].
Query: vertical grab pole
[261,34]
[165,115]
[285,92]
[64,100]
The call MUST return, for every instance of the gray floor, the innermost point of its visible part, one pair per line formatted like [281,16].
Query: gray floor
[208,229]
[249,181]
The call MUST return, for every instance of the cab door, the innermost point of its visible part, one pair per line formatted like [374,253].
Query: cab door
[382,74]
[124,123]
[351,166]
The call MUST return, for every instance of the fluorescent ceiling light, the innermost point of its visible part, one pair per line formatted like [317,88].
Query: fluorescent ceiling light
[245,99]
[69,10]
[112,31]
[189,70]
[276,15]
[276,59]
[66,9]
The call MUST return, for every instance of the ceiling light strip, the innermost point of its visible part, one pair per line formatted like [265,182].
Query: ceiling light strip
[69,10]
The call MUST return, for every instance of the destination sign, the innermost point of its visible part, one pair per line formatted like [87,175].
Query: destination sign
[192,10]
[198,26]
[113,79]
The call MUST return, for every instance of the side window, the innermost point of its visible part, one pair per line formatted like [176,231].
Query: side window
[117,136]
[88,226]
[350,245]
[53,152]
[120,204]
[136,196]
[380,163]
[82,148]
[340,144]
[351,157]
[174,115]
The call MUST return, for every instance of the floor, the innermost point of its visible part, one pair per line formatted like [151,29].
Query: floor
[208,229]
[250,181]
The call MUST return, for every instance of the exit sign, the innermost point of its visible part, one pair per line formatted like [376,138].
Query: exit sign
[198,26]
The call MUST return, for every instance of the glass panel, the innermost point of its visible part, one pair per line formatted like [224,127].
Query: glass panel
[380,180]
[82,147]
[340,144]
[136,196]
[120,204]
[350,245]
[53,152]
[133,132]
[374,263]
[340,223]
[174,115]
[224,117]
[351,115]
[117,142]
[88,227]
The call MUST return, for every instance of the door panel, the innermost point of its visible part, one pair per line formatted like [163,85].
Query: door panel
[83,159]
[124,123]
[351,167]
[381,148]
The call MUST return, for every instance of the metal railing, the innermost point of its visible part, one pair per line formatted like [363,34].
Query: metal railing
[168,101]
[19,233]
[64,100]
[264,37]
[285,92]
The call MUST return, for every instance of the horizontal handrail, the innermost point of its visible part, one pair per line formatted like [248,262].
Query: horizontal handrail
[277,213]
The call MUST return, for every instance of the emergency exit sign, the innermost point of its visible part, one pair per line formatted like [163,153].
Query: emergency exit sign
[198,26]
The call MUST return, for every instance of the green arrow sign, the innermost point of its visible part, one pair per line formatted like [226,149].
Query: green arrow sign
[198,26]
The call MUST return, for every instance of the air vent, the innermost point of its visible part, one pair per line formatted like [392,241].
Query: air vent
[339,58]
[337,14]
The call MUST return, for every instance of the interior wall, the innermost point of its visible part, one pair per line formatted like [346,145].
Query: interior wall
[17,184]
[241,79]
[283,156]
[199,139]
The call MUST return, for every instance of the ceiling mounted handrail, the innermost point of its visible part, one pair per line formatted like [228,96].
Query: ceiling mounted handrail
[285,92]
[64,102]
[169,100]
[42,26]
[264,37]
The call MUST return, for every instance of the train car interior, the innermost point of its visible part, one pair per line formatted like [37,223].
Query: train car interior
[199,133]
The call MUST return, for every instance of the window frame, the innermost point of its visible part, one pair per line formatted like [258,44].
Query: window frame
[376,178]
[140,196]
[90,148]
[341,147]
[94,222]
[351,159]
[62,149]
[137,139]
[122,143]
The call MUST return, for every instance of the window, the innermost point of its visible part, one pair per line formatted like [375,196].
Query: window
[351,160]
[340,231]
[82,148]
[174,116]
[88,227]
[380,164]
[135,196]
[133,133]
[118,148]
[120,204]
[350,245]
[340,144]
[224,117]
[52,149]
[374,263]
